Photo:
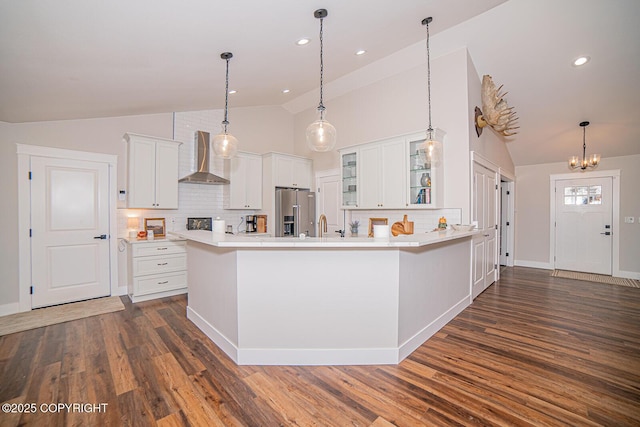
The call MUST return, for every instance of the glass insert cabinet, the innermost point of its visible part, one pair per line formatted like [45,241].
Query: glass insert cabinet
[349,179]
[420,180]
[393,173]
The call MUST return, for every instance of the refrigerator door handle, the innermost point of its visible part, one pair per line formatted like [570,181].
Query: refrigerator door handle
[296,220]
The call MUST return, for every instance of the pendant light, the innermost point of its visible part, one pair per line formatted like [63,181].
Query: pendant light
[587,162]
[431,147]
[321,135]
[225,145]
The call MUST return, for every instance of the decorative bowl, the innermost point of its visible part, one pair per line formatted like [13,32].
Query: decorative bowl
[463,227]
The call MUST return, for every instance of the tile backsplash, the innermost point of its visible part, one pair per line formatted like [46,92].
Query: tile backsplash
[194,200]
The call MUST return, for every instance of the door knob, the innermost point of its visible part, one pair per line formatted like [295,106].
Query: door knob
[102,237]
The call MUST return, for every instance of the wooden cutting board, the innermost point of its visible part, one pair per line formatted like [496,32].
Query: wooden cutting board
[404,227]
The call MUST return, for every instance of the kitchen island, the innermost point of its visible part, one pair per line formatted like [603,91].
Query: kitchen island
[325,301]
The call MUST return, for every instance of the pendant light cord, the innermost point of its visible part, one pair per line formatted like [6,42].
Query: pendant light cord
[225,122]
[430,129]
[321,105]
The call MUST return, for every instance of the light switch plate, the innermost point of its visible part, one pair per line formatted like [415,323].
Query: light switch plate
[629,219]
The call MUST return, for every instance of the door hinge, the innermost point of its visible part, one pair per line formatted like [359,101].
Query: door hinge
[30,232]
[508,223]
[29,174]
[31,290]
[495,265]
[508,192]
[496,186]
[507,254]
[496,226]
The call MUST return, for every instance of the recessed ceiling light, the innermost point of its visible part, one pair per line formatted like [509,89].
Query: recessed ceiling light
[361,52]
[232,91]
[303,41]
[581,61]
[285,91]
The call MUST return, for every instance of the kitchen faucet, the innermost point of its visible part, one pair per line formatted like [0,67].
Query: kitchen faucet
[322,225]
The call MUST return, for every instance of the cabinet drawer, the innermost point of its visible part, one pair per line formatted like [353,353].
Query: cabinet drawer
[159,264]
[158,248]
[158,283]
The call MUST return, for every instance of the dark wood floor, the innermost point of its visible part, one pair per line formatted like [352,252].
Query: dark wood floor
[531,350]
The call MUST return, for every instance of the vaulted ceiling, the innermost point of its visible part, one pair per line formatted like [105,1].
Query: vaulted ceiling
[76,59]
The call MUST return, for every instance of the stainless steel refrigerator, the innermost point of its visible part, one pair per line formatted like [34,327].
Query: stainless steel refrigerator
[295,212]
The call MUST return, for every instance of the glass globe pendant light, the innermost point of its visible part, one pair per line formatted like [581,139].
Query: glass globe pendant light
[431,148]
[225,145]
[321,135]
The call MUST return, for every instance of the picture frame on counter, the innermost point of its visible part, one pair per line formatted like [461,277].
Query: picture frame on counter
[157,225]
[376,221]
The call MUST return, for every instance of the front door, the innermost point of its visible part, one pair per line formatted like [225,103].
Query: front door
[584,212]
[70,230]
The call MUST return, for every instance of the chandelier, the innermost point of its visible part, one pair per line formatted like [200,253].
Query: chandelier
[587,162]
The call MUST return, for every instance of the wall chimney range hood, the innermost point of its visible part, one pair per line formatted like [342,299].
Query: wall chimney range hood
[203,175]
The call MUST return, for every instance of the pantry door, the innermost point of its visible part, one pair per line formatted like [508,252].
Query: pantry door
[328,200]
[70,230]
[584,233]
[484,212]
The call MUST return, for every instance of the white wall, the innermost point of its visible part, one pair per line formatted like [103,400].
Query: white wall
[532,201]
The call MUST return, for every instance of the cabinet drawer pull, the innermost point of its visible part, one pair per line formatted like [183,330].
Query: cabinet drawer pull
[163,283]
[162,249]
[163,263]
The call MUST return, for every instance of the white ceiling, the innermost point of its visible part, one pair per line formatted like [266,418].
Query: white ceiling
[72,59]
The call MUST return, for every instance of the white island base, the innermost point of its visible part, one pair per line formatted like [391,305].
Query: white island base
[326,304]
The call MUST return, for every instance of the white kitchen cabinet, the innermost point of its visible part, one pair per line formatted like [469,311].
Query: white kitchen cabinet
[382,175]
[152,172]
[291,171]
[156,269]
[245,175]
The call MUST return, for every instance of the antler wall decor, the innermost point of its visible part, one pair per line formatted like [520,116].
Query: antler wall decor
[497,113]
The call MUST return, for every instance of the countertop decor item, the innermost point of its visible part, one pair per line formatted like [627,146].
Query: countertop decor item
[225,145]
[587,162]
[442,223]
[404,227]
[321,135]
[463,227]
[156,225]
[354,227]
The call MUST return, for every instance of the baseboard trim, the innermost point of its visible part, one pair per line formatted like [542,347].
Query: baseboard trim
[628,275]
[533,264]
[214,335]
[428,331]
[11,308]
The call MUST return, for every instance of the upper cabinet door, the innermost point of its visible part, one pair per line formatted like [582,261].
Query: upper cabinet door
[292,172]
[245,176]
[167,175]
[382,175]
[152,172]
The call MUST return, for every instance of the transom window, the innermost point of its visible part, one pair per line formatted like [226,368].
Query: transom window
[583,195]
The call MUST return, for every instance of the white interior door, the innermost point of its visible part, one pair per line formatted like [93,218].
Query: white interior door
[584,212]
[328,198]
[484,212]
[70,230]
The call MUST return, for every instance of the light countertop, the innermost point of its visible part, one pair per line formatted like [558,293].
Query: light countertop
[258,241]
